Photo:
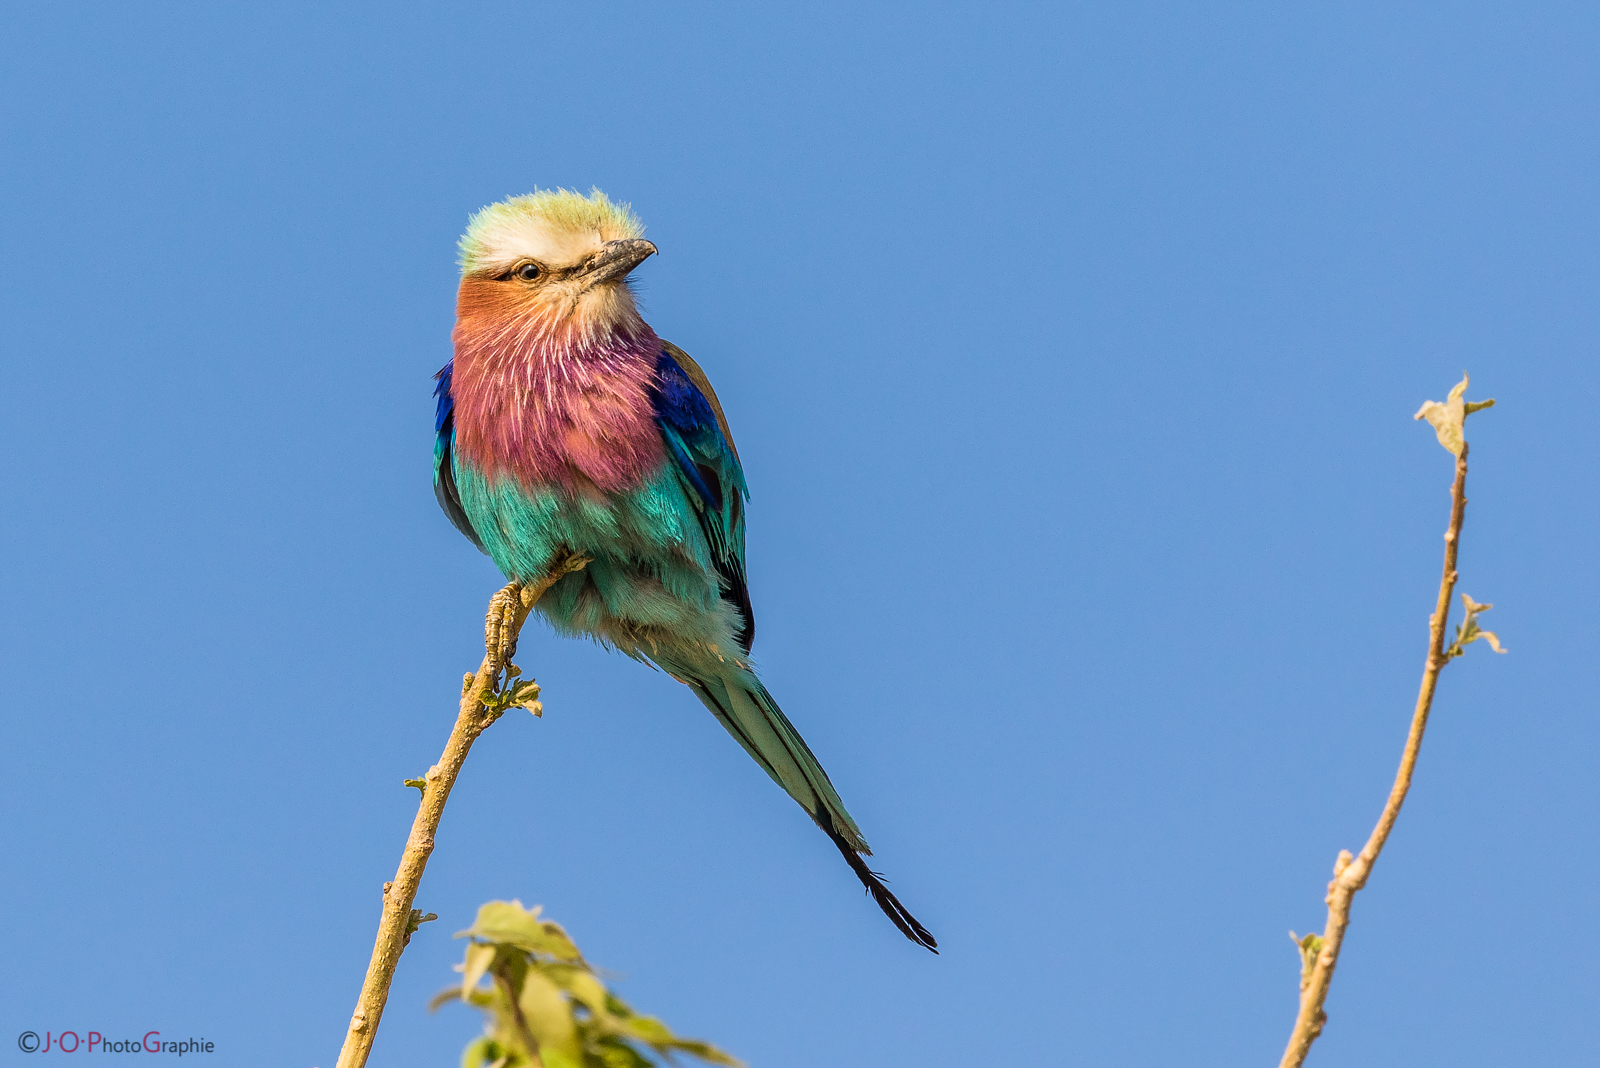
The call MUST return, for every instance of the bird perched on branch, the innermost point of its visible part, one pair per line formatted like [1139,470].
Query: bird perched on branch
[565,425]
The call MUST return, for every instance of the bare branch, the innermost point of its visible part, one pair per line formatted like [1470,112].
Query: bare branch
[1321,955]
[508,610]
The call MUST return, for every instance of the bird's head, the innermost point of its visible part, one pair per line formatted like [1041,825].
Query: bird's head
[553,261]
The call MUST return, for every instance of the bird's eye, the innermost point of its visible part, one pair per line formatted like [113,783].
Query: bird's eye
[527,272]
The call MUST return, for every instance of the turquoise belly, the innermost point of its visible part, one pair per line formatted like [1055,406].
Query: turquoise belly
[651,581]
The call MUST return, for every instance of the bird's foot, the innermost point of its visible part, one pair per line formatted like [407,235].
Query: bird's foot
[500,625]
[510,606]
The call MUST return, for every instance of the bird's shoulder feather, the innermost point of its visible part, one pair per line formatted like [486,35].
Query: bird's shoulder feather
[698,377]
[700,444]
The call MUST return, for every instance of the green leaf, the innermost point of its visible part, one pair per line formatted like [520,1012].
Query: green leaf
[509,923]
[478,999]
[581,984]
[525,695]
[615,1053]
[1310,950]
[1467,630]
[706,1052]
[648,1029]
[549,1017]
[658,1036]
[416,920]
[1449,419]
[479,957]
[545,993]
[487,1053]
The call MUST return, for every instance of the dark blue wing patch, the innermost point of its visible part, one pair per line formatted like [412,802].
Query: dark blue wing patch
[708,465]
[444,464]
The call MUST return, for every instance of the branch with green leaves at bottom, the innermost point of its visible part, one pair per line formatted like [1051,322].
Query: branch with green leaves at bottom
[485,697]
[1320,954]
[545,1007]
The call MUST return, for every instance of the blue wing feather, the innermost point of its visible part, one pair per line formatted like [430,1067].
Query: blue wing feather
[709,467]
[444,465]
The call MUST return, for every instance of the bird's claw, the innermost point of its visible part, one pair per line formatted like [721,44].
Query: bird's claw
[499,637]
[574,562]
[500,626]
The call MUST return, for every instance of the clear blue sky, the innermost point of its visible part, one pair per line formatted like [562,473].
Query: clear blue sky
[1071,352]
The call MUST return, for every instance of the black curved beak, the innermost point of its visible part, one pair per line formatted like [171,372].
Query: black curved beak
[616,259]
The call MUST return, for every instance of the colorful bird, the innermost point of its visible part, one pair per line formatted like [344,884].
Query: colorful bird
[565,425]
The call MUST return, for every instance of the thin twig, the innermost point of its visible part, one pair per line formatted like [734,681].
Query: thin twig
[1350,874]
[508,610]
[519,1021]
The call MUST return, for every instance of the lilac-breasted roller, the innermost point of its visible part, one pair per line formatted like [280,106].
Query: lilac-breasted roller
[565,425]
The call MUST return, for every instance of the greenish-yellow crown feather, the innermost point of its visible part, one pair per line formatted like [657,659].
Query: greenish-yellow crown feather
[556,213]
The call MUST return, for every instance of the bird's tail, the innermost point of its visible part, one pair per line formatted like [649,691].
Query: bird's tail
[742,705]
